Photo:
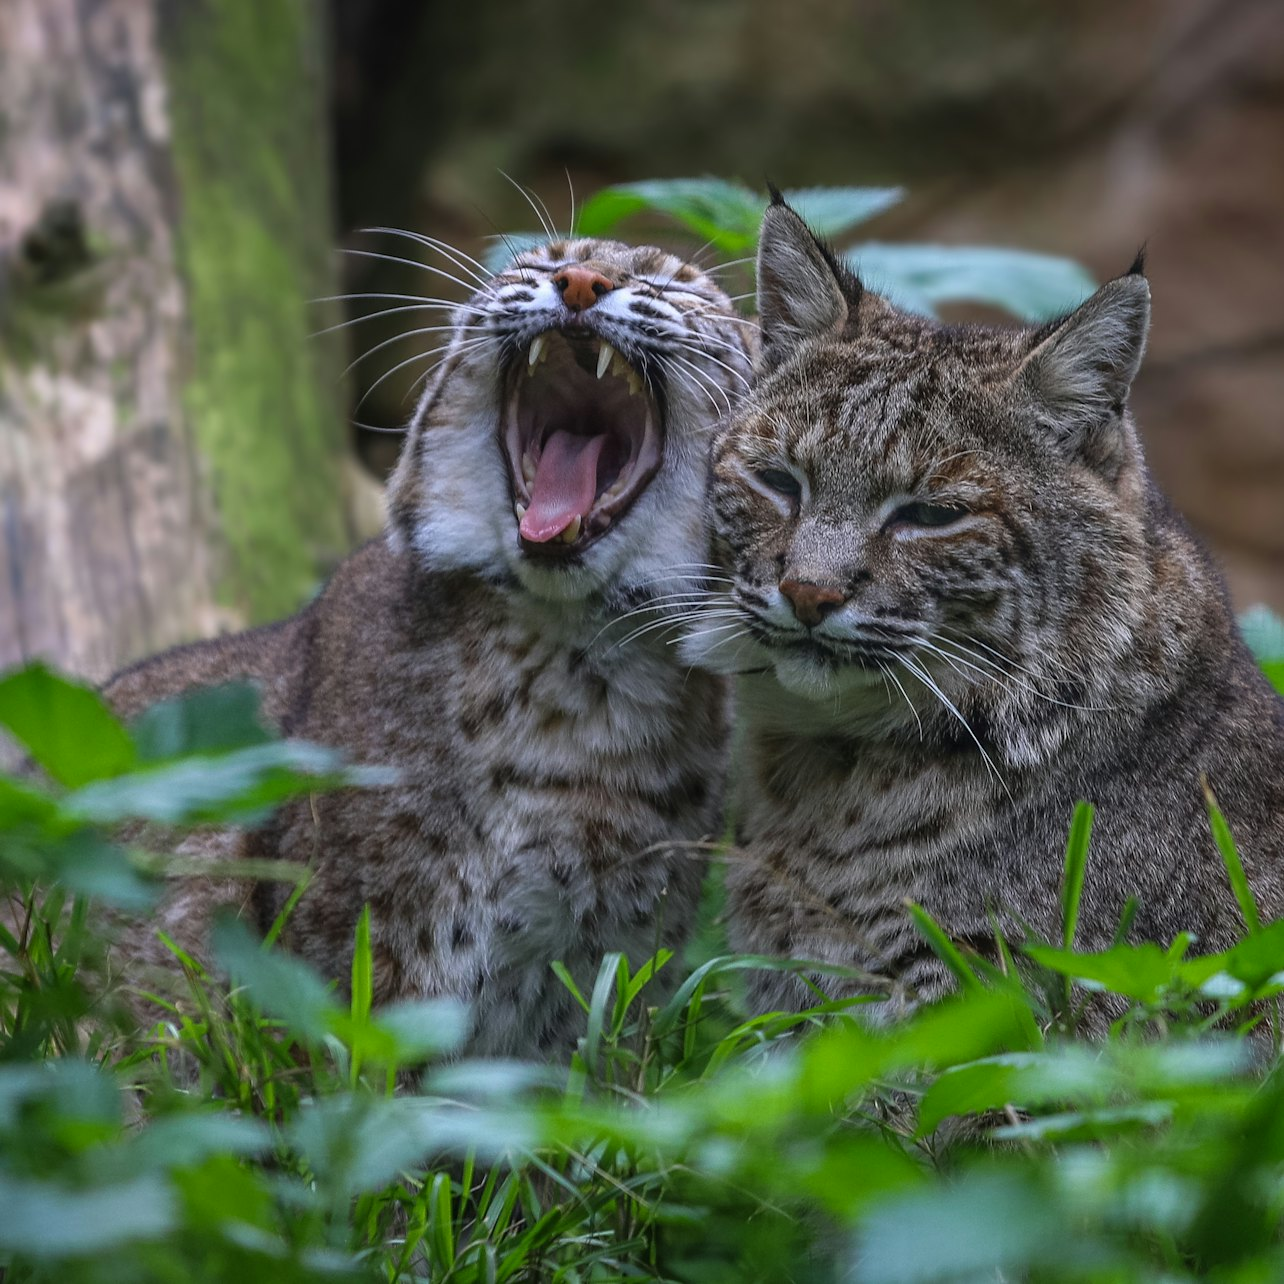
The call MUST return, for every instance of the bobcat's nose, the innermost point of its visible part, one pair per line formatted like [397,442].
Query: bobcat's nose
[812,602]
[581,287]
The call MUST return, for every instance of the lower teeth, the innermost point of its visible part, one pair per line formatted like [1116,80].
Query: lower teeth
[571,533]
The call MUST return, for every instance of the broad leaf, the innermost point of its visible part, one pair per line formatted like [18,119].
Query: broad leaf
[64,726]
[1142,972]
[833,211]
[239,785]
[283,986]
[724,214]
[207,720]
[1032,286]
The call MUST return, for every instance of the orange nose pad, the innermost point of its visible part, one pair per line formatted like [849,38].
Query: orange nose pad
[812,602]
[581,287]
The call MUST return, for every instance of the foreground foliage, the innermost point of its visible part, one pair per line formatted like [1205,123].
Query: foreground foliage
[253,1133]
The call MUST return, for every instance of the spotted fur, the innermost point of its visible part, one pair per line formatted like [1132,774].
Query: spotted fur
[556,756]
[994,613]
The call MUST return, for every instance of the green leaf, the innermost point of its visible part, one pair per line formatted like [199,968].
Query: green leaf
[970,1089]
[357,1144]
[236,786]
[1263,630]
[985,1226]
[22,805]
[502,250]
[1142,972]
[608,975]
[724,214]
[65,727]
[283,986]
[1258,958]
[89,865]
[362,968]
[181,1140]
[943,947]
[421,1028]
[48,1221]
[206,720]
[1230,858]
[1076,864]
[1088,1125]
[1031,286]
[832,211]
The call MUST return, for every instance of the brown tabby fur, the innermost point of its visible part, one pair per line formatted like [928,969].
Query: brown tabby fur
[550,765]
[965,519]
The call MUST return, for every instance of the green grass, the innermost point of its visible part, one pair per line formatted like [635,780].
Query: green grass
[261,1129]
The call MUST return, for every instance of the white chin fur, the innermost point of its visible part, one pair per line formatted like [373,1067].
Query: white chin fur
[811,680]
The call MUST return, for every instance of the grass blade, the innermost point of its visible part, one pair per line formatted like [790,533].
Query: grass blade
[1076,864]
[943,947]
[1230,858]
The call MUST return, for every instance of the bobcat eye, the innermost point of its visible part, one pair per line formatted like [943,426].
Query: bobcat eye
[781,482]
[924,514]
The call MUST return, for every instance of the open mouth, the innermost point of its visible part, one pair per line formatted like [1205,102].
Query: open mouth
[583,438]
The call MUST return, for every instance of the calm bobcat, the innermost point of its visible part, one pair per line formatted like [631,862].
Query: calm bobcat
[505,647]
[959,603]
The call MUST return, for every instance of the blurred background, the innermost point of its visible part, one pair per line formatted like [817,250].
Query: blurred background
[177,456]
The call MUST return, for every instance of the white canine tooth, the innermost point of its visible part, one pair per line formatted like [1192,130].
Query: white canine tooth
[605,357]
[537,350]
[572,532]
[520,510]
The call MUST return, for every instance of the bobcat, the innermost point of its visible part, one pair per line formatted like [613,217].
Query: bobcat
[960,603]
[547,507]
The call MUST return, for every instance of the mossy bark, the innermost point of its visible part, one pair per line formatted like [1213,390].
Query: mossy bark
[171,442]
[246,95]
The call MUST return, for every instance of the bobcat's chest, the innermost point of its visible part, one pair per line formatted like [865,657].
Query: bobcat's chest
[541,818]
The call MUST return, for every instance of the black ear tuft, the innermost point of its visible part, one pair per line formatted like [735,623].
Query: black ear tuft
[1138,267]
[776,197]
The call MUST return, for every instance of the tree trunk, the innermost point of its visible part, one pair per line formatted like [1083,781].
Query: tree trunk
[171,444]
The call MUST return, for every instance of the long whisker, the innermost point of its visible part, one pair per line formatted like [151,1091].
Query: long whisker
[418,356]
[704,378]
[466,286]
[889,672]
[686,380]
[668,622]
[926,679]
[545,222]
[383,312]
[708,356]
[464,262]
[995,673]
[411,334]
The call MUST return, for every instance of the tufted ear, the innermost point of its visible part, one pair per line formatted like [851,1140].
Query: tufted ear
[803,291]
[1080,369]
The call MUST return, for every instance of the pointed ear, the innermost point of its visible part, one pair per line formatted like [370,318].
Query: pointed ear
[1080,369]
[803,291]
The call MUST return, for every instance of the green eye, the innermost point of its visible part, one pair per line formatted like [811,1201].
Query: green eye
[923,514]
[781,482]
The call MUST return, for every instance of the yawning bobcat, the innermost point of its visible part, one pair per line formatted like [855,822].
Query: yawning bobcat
[960,603]
[551,751]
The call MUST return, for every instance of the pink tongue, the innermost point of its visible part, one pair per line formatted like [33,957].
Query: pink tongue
[565,485]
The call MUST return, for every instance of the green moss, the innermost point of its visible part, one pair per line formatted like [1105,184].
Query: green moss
[254,236]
